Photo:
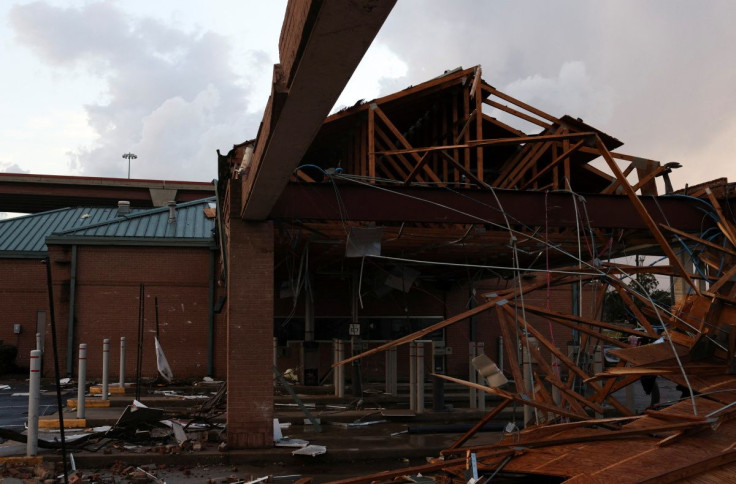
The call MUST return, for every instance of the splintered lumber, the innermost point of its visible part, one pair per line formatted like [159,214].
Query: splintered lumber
[592,436]
[726,227]
[419,334]
[629,371]
[394,130]
[506,333]
[694,238]
[564,359]
[645,215]
[495,92]
[556,316]
[479,425]
[726,277]
[512,396]
[501,298]
[620,288]
[676,471]
[551,375]
[649,354]
[387,476]
[573,322]
[553,164]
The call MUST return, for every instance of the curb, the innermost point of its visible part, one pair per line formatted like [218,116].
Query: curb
[72,403]
[69,423]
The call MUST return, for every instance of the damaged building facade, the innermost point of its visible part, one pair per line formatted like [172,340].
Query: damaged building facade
[419,208]
[98,259]
[434,194]
[454,213]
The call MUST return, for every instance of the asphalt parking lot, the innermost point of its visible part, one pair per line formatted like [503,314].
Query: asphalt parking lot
[14,404]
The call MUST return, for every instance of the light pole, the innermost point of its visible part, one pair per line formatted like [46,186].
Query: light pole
[129,156]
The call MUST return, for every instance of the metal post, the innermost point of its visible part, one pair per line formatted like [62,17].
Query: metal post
[413,376]
[338,375]
[473,374]
[34,390]
[336,370]
[633,341]
[105,366]
[122,362]
[500,354]
[598,366]
[556,395]
[392,387]
[420,377]
[57,371]
[480,348]
[82,374]
[527,375]
[341,355]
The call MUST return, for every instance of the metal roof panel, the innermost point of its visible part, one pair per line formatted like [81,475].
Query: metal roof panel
[27,234]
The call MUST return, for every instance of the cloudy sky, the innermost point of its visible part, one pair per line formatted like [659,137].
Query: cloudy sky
[85,81]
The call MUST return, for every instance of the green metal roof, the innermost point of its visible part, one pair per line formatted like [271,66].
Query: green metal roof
[25,236]
[147,227]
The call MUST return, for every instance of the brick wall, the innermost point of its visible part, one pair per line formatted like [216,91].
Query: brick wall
[22,294]
[250,335]
[107,305]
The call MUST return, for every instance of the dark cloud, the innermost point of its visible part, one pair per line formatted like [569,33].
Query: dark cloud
[172,97]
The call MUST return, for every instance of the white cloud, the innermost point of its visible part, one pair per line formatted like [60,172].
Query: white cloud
[570,92]
[658,75]
[373,77]
[171,96]
[6,167]
[655,74]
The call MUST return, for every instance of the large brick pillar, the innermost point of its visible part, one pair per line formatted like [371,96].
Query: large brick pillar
[250,335]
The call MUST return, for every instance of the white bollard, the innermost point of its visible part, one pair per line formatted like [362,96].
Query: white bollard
[39,347]
[34,390]
[82,376]
[122,362]
[105,366]
[420,377]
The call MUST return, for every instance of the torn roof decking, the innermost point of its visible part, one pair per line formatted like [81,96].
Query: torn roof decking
[659,447]
[637,457]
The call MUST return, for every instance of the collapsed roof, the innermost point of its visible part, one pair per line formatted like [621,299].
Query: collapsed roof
[444,185]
